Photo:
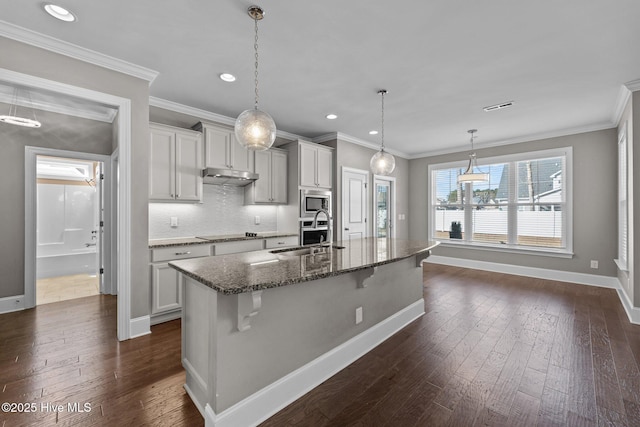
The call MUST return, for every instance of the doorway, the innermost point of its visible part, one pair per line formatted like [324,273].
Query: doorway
[384,206]
[69,210]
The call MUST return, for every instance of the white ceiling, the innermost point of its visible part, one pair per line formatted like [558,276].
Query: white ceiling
[563,63]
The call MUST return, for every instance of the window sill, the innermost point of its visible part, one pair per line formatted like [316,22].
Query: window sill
[557,253]
[621,266]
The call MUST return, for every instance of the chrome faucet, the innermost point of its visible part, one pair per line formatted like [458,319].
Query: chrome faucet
[315,224]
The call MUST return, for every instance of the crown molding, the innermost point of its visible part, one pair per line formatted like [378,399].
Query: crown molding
[623,98]
[357,141]
[518,140]
[633,85]
[42,41]
[208,115]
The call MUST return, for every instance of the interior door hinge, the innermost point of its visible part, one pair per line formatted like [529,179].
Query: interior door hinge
[365,185]
[102,271]
[101,176]
[101,223]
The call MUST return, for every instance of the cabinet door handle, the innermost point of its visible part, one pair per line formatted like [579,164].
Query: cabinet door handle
[281,243]
[346,229]
[183,253]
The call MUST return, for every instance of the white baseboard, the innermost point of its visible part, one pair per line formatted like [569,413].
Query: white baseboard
[633,313]
[519,270]
[140,326]
[271,399]
[9,304]
[165,317]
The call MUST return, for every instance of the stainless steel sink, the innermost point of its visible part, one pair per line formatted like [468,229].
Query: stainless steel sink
[306,250]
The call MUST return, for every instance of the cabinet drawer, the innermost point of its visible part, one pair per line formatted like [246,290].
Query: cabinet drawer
[180,252]
[281,242]
[237,247]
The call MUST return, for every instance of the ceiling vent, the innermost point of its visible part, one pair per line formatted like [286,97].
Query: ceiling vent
[498,106]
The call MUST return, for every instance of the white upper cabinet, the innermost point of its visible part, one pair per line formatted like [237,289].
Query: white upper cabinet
[271,186]
[221,149]
[316,166]
[175,164]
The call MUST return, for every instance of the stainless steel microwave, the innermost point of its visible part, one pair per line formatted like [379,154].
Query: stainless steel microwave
[313,200]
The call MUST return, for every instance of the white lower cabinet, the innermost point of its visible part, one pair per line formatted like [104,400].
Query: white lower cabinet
[166,286]
[280,242]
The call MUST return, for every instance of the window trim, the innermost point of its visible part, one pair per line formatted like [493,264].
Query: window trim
[623,179]
[566,152]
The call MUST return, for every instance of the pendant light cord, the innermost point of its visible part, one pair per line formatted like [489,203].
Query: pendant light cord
[382,92]
[255,46]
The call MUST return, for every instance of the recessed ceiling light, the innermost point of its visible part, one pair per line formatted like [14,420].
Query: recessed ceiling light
[227,77]
[373,132]
[59,12]
[332,116]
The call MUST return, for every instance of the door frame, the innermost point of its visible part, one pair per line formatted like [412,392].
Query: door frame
[392,202]
[30,213]
[123,132]
[367,208]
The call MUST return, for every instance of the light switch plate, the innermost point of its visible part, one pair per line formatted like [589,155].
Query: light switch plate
[174,221]
[257,220]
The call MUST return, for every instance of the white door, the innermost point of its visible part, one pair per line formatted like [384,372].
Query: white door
[98,231]
[354,204]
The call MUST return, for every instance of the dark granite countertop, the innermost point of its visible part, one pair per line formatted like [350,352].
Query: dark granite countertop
[251,271]
[165,243]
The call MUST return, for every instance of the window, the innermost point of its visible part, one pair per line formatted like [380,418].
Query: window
[523,206]
[622,200]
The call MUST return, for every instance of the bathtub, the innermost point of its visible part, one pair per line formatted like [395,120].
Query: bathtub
[79,261]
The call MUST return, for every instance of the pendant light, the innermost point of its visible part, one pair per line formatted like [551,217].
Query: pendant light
[13,118]
[469,175]
[382,163]
[255,129]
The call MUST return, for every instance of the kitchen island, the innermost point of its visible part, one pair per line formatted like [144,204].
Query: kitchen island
[260,329]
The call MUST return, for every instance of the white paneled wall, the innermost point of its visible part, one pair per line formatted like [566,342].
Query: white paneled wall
[222,212]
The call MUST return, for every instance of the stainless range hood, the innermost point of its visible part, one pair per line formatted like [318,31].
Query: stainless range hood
[222,176]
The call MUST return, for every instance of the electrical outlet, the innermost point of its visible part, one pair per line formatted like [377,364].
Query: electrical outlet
[257,220]
[358,315]
[174,221]
[594,263]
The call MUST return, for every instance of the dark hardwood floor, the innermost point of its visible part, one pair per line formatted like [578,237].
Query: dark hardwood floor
[67,352]
[491,349]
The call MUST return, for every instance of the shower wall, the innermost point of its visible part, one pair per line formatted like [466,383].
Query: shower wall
[67,214]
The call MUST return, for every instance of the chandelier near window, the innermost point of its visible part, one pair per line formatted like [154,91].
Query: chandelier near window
[255,129]
[382,163]
[470,175]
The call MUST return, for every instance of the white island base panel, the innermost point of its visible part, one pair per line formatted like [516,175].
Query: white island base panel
[299,336]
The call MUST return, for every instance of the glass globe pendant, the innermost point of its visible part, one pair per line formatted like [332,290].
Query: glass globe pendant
[255,129]
[382,163]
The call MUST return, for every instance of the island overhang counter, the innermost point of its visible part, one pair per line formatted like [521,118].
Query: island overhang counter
[260,329]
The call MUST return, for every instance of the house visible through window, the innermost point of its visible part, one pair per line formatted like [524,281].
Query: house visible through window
[522,206]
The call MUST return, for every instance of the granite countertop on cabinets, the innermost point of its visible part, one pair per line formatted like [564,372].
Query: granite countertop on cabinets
[251,271]
[181,241]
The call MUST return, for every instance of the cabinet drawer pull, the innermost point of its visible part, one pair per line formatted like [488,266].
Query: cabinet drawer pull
[281,243]
[183,253]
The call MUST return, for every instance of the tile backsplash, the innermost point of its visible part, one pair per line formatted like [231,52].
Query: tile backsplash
[222,212]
